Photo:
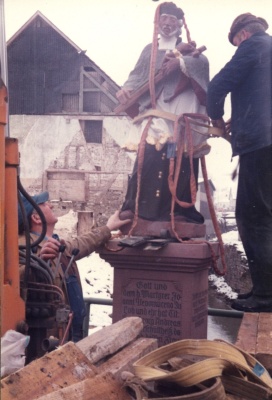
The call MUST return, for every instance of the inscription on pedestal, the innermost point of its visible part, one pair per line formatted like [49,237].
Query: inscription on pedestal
[199,308]
[159,304]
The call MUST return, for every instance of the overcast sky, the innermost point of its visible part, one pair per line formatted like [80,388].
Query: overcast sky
[115,31]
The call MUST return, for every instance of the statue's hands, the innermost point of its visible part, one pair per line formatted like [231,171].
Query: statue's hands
[170,63]
[123,95]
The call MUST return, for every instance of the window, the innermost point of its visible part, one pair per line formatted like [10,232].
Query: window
[93,131]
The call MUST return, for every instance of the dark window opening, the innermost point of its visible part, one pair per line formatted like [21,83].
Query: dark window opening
[93,131]
[89,69]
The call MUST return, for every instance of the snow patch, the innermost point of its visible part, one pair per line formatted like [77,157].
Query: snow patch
[222,287]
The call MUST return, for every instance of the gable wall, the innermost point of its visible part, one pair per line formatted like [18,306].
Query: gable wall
[44,67]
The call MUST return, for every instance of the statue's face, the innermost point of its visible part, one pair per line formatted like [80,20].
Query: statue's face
[168,24]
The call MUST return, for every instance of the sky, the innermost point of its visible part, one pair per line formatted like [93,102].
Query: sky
[114,33]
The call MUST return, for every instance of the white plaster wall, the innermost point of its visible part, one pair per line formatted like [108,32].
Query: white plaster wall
[119,129]
[57,142]
[46,138]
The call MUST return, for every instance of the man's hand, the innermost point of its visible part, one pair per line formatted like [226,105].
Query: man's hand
[114,222]
[123,95]
[224,127]
[219,123]
[50,249]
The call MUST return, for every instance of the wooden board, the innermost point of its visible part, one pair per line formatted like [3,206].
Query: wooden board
[124,359]
[110,339]
[255,337]
[61,368]
[263,351]
[248,331]
[100,387]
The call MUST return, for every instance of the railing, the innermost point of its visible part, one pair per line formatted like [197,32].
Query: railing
[216,312]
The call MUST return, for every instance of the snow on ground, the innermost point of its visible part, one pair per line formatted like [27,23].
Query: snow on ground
[229,238]
[222,287]
[97,281]
[232,237]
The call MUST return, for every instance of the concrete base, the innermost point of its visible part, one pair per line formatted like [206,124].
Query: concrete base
[167,288]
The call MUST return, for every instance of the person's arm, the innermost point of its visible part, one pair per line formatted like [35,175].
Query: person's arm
[91,241]
[234,72]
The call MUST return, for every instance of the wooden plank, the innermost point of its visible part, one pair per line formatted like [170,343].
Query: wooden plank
[264,341]
[110,339]
[60,368]
[255,337]
[247,333]
[123,360]
[100,387]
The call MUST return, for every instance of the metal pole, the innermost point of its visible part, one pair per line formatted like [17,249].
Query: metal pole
[215,312]
[218,312]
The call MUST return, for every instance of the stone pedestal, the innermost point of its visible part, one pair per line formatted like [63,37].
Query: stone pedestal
[167,288]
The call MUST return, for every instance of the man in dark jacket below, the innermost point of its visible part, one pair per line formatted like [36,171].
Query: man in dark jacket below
[247,76]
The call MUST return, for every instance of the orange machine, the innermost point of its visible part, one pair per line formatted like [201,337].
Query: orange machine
[12,305]
[32,307]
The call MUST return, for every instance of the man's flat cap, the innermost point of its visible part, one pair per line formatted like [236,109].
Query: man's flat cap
[242,21]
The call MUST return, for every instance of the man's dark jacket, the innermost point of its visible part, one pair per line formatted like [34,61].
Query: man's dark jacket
[247,76]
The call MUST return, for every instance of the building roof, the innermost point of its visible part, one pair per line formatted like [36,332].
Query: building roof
[38,14]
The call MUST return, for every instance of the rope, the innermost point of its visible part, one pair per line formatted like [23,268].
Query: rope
[186,137]
[152,67]
[214,219]
[187,30]
[141,151]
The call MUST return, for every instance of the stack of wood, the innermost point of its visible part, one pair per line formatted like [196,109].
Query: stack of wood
[90,369]
[100,367]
